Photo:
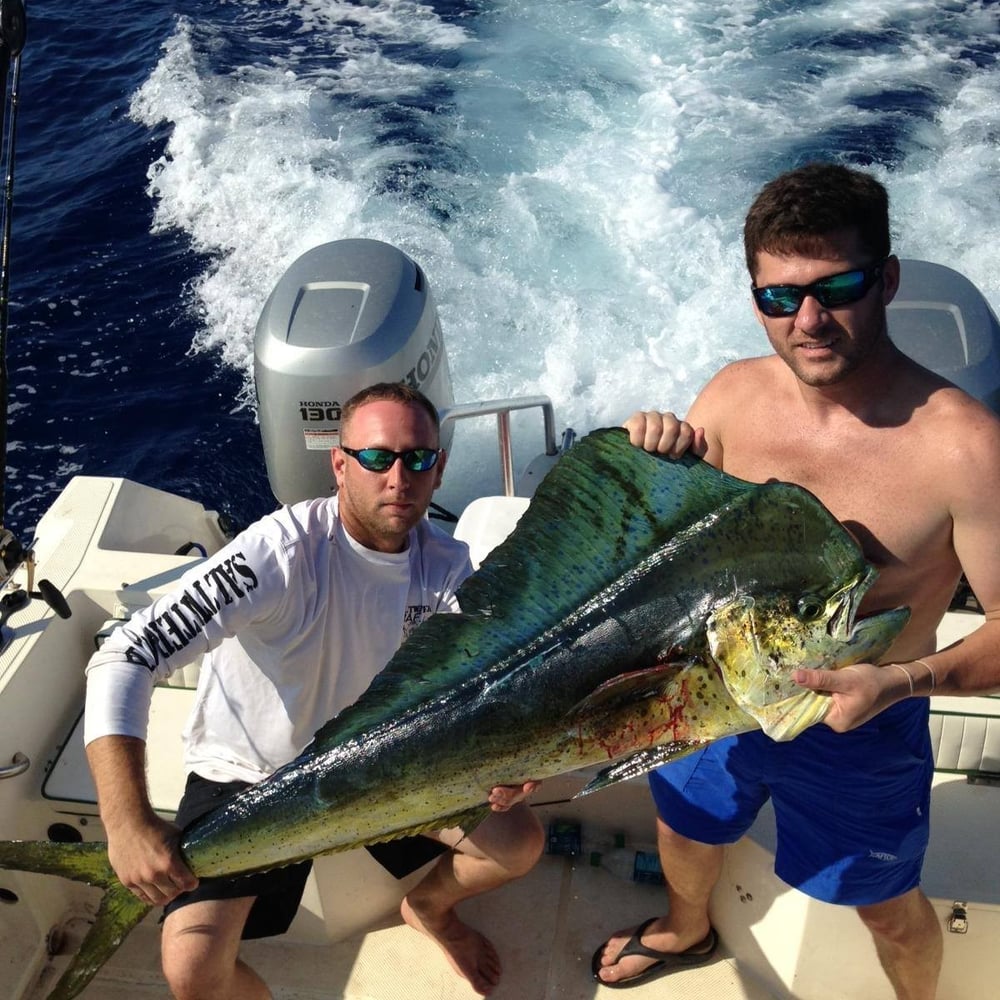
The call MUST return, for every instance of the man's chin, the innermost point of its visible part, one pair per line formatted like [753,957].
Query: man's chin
[398,521]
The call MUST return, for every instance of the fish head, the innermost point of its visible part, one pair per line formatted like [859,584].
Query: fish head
[757,641]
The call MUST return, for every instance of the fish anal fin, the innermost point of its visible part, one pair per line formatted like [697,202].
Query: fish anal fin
[639,763]
[465,819]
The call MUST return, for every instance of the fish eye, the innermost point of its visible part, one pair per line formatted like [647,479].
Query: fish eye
[810,608]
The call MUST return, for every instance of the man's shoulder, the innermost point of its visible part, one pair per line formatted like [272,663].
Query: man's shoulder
[436,541]
[963,424]
[937,400]
[745,373]
[733,384]
[290,528]
[306,516]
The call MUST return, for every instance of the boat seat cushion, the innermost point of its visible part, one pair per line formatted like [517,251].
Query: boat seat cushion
[69,782]
[486,522]
[965,734]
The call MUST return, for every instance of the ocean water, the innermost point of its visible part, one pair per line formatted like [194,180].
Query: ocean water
[572,176]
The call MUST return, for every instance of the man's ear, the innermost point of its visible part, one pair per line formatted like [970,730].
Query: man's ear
[439,468]
[337,459]
[890,279]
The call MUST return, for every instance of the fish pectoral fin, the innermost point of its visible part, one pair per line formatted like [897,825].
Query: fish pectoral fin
[637,764]
[784,720]
[626,688]
[117,915]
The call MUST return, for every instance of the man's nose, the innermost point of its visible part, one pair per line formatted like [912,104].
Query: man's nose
[811,314]
[397,473]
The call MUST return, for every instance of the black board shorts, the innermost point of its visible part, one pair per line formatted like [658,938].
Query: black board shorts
[278,891]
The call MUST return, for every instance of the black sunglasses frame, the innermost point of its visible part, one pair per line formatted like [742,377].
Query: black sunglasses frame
[412,459]
[828,297]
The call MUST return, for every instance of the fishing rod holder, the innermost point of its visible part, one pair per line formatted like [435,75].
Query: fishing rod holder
[13,555]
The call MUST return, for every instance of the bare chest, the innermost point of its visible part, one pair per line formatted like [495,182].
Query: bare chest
[878,485]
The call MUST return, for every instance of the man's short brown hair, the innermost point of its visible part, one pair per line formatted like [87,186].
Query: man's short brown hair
[797,211]
[389,392]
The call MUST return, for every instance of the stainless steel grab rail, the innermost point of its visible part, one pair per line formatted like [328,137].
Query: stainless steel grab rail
[503,408]
[19,764]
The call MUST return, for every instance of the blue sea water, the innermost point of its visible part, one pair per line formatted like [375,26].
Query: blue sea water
[572,177]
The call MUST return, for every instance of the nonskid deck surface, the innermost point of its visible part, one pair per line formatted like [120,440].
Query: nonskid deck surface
[545,930]
[547,925]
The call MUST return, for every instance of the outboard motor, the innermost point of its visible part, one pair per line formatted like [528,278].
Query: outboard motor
[345,315]
[941,320]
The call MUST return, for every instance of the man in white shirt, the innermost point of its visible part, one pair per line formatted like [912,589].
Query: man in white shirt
[294,617]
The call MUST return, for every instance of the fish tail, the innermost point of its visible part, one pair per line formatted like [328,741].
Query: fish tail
[118,913]
[81,862]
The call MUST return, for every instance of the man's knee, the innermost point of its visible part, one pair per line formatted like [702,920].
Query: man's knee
[196,975]
[200,947]
[514,840]
[899,918]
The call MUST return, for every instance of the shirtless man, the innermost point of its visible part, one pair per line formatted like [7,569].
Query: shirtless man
[325,592]
[911,465]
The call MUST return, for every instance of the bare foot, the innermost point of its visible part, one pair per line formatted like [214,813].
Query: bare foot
[470,954]
[614,969]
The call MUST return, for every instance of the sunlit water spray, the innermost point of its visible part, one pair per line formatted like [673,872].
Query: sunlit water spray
[571,177]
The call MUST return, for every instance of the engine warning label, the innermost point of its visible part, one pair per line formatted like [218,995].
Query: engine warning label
[317,440]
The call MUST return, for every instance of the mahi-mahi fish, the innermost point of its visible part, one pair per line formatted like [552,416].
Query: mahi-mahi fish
[642,607]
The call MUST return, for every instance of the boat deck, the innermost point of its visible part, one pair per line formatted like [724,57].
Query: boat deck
[776,943]
[547,925]
[545,928]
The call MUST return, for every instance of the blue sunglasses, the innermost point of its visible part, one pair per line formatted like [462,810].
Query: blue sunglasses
[382,460]
[831,293]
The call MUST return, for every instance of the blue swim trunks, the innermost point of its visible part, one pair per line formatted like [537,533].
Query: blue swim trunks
[852,809]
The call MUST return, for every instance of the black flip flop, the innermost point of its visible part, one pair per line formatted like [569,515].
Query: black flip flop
[666,961]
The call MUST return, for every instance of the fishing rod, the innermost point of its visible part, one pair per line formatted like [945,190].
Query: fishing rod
[12,34]
[13,30]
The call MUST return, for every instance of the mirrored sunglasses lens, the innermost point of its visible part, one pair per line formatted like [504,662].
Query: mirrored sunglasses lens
[375,459]
[420,459]
[779,300]
[841,289]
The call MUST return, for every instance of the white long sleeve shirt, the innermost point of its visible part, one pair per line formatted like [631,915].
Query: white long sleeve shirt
[294,619]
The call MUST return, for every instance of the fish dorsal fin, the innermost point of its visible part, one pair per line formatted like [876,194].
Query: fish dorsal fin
[603,507]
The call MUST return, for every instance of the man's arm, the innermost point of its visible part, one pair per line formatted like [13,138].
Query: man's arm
[970,666]
[142,847]
[700,432]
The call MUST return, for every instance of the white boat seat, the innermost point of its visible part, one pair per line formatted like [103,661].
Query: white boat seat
[965,734]
[486,522]
[70,784]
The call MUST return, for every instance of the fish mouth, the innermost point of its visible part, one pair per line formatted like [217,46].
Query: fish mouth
[846,603]
[866,638]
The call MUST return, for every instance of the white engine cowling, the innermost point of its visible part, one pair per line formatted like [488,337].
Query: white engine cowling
[345,315]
